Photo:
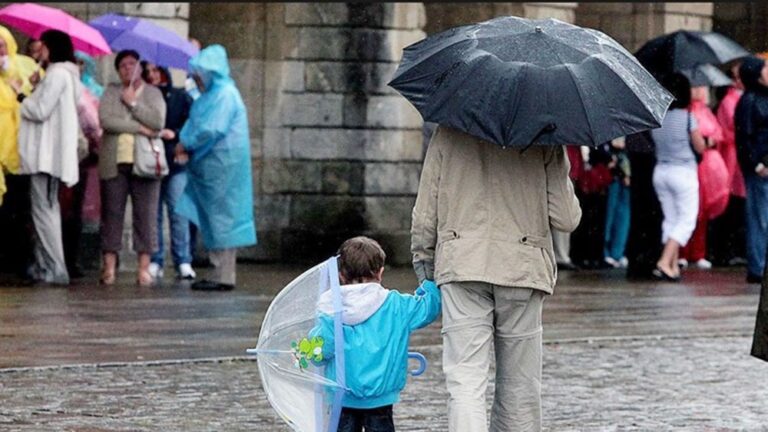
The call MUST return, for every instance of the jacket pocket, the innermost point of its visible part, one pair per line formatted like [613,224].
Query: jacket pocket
[447,235]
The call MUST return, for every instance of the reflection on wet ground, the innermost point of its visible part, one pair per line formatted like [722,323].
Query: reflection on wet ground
[619,355]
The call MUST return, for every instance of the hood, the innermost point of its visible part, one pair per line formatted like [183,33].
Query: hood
[358,301]
[10,42]
[211,65]
[168,76]
[88,77]
[749,71]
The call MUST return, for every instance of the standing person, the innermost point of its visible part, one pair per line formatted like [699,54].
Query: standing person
[177,103]
[48,139]
[88,74]
[481,230]
[377,323]
[617,215]
[695,252]
[11,82]
[128,109]
[219,193]
[751,121]
[729,242]
[561,241]
[675,177]
[592,192]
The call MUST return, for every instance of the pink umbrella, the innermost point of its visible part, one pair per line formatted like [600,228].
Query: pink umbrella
[33,19]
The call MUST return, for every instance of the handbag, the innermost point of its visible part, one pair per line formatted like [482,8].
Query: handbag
[149,157]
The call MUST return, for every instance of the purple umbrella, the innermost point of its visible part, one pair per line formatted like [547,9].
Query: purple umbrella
[155,44]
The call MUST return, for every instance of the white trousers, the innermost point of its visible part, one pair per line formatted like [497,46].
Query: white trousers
[677,187]
[477,316]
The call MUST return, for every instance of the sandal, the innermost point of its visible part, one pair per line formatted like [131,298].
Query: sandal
[660,274]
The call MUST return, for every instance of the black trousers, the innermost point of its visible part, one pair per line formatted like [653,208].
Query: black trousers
[371,420]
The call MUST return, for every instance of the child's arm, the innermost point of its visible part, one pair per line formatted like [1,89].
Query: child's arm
[424,305]
[324,329]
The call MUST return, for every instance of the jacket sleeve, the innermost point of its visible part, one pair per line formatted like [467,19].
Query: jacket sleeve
[562,203]
[111,116]
[424,215]
[150,111]
[746,133]
[424,306]
[324,329]
[209,121]
[39,105]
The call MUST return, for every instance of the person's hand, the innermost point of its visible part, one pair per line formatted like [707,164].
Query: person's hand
[627,181]
[129,96]
[762,170]
[16,85]
[180,156]
[167,134]
[35,78]
[147,131]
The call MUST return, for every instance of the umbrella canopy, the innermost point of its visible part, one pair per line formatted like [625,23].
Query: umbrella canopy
[295,386]
[34,19]
[707,75]
[685,50]
[155,44]
[518,82]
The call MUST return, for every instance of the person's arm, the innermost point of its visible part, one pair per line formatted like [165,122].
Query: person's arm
[698,141]
[39,105]
[563,206]
[149,109]
[210,122]
[111,115]
[324,329]
[424,215]
[424,306]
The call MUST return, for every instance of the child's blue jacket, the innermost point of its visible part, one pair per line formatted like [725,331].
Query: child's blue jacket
[377,323]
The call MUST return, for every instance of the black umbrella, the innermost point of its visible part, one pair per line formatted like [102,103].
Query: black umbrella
[684,50]
[517,82]
[707,75]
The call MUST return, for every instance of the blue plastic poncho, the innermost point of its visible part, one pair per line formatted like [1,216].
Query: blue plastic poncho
[88,77]
[219,193]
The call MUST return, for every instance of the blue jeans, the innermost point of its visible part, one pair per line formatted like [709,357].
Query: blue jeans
[616,220]
[374,420]
[757,223]
[171,189]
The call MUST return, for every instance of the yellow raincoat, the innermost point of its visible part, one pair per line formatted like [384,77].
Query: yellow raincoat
[20,67]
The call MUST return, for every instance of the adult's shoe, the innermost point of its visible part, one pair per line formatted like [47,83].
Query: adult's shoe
[703,264]
[682,263]
[753,278]
[186,272]
[155,270]
[569,266]
[206,285]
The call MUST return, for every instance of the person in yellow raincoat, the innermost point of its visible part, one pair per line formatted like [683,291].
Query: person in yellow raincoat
[15,70]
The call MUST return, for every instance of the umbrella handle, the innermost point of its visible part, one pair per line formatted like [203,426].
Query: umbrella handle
[422,363]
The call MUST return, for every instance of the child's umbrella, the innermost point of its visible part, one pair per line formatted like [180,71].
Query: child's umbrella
[295,386]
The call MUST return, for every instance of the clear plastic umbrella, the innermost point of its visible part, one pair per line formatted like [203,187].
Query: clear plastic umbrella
[295,386]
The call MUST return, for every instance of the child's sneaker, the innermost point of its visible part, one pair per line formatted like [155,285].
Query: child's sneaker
[611,262]
[155,271]
[703,264]
[682,263]
[186,272]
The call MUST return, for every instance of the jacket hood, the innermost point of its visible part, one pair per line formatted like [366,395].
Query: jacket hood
[358,302]
[168,76]
[211,65]
[88,77]
[749,71]
[10,42]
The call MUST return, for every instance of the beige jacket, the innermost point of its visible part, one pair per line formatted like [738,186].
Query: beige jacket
[117,118]
[483,213]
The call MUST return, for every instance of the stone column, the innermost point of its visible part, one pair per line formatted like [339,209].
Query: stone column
[744,22]
[442,16]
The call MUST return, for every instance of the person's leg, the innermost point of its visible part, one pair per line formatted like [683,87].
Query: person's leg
[760,226]
[623,220]
[114,193]
[158,257]
[145,198]
[378,419]
[661,183]
[179,225]
[350,421]
[611,209]
[46,214]
[517,399]
[468,319]
[224,263]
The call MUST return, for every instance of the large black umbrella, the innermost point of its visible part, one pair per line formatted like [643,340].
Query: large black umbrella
[685,50]
[517,82]
[707,75]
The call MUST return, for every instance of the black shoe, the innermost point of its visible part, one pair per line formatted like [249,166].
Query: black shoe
[206,285]
[660,274]
[568,266]
[754,279]
[75,273]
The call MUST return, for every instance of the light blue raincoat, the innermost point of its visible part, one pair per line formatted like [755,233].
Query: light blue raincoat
[377,324]
[219,193]
[88,77]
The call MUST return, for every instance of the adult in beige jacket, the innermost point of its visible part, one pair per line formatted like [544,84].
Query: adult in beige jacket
[481,230]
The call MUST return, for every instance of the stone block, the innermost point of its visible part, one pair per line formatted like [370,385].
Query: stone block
[227,13]
[151,9]
[674,22]
[286,176]
[267,248]
[385,214]
[249,78]
[540,11]
[272,211]
[618,26]
[380,112]
[392,178]
[342,178]
[316,14]
[692,8]
[312,109]
[442,16]
[328,213]
[397,246]
[276,143]
[344,77]
[359,44]
[315,43]
[603,8]
[355,144]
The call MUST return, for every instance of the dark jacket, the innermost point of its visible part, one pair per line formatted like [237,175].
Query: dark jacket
[178,103]
[751,118]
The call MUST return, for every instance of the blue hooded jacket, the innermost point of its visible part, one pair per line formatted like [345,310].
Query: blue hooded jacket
[751,117]
[219,193]
[88,77]
[377,324]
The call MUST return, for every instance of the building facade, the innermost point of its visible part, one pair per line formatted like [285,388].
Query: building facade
[336,152]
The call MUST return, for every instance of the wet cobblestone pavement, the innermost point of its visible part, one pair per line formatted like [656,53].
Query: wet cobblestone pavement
[618,356]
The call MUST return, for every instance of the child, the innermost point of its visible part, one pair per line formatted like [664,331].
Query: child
[377,323]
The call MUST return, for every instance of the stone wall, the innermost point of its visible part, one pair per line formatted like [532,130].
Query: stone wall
[442,16]
[745,22]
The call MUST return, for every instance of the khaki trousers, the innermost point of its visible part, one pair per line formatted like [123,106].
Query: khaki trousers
[476,316]
[224,263]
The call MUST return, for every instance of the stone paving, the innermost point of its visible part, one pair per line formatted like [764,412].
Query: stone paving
[618,355]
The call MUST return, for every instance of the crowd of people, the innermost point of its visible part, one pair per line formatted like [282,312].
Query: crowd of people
[73,151]
[698,181]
